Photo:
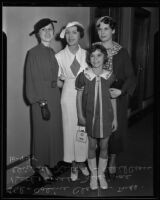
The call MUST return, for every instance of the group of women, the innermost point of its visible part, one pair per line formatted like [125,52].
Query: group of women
[95,87]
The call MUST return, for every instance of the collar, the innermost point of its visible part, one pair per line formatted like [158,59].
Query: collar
[90,75]
[71,54]
[42,45]
[113,50]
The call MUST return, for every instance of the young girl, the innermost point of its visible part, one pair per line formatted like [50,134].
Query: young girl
[96,110]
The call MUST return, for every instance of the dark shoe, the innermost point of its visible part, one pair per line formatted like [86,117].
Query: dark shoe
[46,174]
[112,177]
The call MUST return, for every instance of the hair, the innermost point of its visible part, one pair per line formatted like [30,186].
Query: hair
[93,48]
[110,21]
[80,30]
[37,34]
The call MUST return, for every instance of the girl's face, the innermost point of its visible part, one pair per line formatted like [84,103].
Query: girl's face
[46,33]
[72,36]
[105,32]
[97,59]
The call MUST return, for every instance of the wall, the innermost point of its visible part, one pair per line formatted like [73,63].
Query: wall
[17,24]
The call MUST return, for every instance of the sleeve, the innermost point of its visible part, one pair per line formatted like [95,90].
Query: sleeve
[34,85]
[111,79]
[80,82]
[130,78]
[61,74]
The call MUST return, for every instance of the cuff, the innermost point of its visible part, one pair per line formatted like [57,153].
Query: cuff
[123,92]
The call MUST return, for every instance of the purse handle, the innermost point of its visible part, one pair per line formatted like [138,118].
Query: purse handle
[82,128]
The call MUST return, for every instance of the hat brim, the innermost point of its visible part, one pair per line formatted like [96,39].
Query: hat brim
[34,32]
[62,34]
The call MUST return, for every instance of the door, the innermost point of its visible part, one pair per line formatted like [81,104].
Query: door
[140,48]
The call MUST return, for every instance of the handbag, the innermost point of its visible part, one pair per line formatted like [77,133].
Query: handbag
[46,115]
[80,144]
[81,135]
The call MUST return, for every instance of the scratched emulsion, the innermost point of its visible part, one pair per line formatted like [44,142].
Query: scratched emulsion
[130,181]
[134,172]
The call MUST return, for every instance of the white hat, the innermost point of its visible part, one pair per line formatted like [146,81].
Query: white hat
[101,18]
[62,34]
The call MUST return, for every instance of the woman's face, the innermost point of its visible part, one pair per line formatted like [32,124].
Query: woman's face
[46,33]
[97,59]
[105,32]
[72,36]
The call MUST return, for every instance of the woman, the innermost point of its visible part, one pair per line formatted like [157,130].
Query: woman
[72,61]
[44,97]
[124,85]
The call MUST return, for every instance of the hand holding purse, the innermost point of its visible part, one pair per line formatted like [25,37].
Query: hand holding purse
[46,115]
[81,135]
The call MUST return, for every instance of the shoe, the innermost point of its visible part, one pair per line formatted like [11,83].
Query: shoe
[112,167]
[112,177]
[93,182]
[101,176]
[103,182]
[45,174]
[74,174]
[84,171]
[112,173]
[93,168]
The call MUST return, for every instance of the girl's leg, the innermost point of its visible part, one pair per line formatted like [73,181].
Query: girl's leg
[92,147]
[104,147]
[103,159]
[92,162]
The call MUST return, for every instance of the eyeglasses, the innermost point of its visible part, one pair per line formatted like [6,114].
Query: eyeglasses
[46,29]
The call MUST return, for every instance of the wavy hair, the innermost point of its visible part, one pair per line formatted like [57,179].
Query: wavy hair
[108,20]
[93,48]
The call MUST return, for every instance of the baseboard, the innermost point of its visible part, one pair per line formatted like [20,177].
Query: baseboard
[17,161]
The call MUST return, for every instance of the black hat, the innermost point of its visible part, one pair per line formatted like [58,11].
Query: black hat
[40,24]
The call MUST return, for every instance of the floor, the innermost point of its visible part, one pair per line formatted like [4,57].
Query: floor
[134,171]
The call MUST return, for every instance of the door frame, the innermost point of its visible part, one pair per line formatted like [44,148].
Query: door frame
[97,12]
[146,15]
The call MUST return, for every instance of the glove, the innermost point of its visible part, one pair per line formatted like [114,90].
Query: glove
[46,115]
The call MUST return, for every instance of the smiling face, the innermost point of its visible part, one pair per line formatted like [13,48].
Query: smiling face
[46,33]
[105,32]
[72,36]
[97,59]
